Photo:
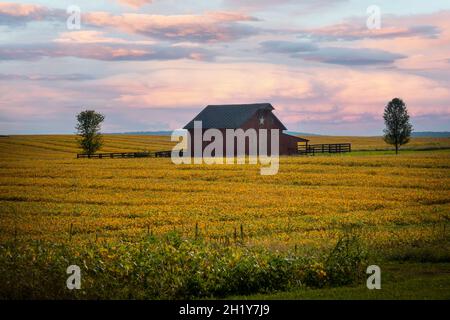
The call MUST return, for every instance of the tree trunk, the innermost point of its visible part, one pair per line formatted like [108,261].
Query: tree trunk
[396,148]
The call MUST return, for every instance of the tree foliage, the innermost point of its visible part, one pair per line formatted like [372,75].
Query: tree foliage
[398,129]
[88,129]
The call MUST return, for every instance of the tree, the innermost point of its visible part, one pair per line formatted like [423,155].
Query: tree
[88,129]
[398,129]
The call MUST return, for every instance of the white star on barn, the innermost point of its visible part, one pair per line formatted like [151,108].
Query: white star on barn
[261,121]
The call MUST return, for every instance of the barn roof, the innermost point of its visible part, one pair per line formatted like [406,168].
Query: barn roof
[228,116]
[296,138]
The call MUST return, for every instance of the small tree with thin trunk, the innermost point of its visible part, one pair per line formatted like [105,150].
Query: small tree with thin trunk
[398,129]
[88,130]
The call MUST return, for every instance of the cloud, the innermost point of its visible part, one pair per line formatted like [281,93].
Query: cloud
[300,96]
[351,56]
[38,77]
[95,36]
[135,3]
[409,58]
[304,5]
[208,27]
[357,30]
[332,55]
[103,52]
[278,46]
[304,96]
[426,54]
[295,91]
[422,26]
[219,26]
[18,14]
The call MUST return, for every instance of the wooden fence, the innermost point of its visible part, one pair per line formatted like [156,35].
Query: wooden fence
[324,148]
[157,154]
[302,150]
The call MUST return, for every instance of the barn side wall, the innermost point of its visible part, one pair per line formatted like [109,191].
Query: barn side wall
[288,144]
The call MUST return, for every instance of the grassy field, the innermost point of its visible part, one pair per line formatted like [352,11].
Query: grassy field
[417,281]
[396,206]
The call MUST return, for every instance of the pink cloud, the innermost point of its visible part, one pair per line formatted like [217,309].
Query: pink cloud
[16,13]
[211,26]
[423,53]
[94,36]
[168,88]
[301,95]
[21,10]
[425,26]
[304,6]
[135,3]
[347,95]
[415,68]
[104,53]
[207,27]
[356,30]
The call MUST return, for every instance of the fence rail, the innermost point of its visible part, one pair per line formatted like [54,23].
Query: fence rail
[157,154]
[325,148]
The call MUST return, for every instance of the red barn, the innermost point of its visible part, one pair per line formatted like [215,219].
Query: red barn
[244,116]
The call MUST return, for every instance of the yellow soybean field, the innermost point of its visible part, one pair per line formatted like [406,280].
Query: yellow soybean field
[46,194]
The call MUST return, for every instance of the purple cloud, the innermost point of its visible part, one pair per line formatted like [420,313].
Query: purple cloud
[306,6]
[209,27]
[332,55]
[287,46]
[13,14]
[351,56]
[103,52]
[63,77]
[357,30]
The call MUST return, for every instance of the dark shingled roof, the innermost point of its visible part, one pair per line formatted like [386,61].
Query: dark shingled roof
[228,116]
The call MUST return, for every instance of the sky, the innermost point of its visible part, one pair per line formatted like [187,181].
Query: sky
[327,66]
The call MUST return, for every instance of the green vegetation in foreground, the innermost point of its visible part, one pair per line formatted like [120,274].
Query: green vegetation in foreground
[401,281]
[170,268]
